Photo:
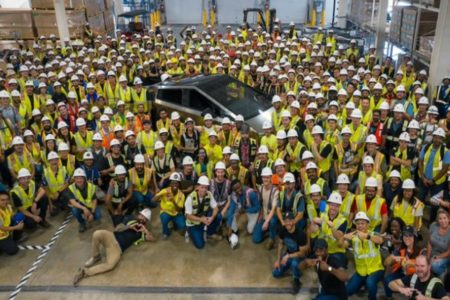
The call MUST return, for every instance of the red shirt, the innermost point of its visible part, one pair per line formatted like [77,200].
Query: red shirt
[383,209]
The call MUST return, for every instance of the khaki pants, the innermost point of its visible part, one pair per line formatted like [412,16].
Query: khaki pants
[106,239]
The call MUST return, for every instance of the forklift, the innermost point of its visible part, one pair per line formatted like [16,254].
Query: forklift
[267,27]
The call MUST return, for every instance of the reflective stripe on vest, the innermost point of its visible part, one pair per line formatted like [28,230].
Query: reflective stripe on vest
[79,197]
[140,185]
[5,218]
[430,286]
[367,256]
[26,198]
[195,206]
[374,210]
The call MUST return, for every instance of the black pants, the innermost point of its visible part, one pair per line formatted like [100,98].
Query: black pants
[9,245]
[127,209]
[42,206]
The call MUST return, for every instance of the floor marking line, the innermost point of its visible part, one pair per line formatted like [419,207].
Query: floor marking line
[45,250]
[32,247]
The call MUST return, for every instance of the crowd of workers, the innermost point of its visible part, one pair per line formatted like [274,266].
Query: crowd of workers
[352,163]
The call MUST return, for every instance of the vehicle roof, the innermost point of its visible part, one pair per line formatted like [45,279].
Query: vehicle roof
[192,81]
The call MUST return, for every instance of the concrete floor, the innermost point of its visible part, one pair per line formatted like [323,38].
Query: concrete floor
[168,269]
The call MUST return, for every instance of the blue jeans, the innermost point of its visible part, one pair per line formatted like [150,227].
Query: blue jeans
[324,296]
[291,264]
[145,200]
[391,277]
[370,281]
[78,214]
[196,232]
[259,234]
[179,222]
[439,267]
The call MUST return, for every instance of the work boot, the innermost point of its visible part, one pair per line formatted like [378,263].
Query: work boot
[215,237]
[44,224]
[78,276]
[296,286]
[82,228]
[92,261]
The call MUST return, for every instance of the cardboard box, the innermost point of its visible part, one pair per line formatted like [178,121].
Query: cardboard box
[94,7]
[45,21]
[15,24]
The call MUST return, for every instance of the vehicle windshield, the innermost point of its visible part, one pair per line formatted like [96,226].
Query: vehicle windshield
[237,96]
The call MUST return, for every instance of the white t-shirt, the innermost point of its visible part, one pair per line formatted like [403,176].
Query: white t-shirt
[188,203]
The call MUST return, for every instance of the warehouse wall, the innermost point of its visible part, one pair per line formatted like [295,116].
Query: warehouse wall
[14,4]
[291,10]
[184,11]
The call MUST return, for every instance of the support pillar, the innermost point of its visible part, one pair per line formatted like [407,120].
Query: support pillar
[380,28]
[440,64]
[342,13]
[61,21]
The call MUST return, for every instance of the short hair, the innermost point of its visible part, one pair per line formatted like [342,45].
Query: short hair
[4,193]
[440,212]
[234,182]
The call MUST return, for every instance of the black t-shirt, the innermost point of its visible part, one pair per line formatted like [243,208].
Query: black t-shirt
[438,291]
[127,237]
[330,283]
[292,240]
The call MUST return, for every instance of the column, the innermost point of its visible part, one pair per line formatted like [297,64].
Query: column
[440,62]
[380,28]
[342,13]
[61,21]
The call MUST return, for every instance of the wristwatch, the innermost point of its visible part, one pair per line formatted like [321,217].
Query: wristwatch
[330,268]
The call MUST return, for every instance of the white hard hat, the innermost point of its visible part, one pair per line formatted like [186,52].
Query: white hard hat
[276,99]
[227,120]
[292,133]
[80,122]
[371,182]
[212,133]
[17,140]
[28,133]
[88,155]
[317,130]
[384,106]
[343,179]
[401,88]
[62,124]
[174,116]
[220,165]
[187,160]
[399,108]
[346,130]
[163,130]
[227,150]
[266,172]
[23,173]
[120,102]
[295,104]
[49,137]
[175,176]
[362,216]
[207,117]
[281,135]
[368,160]
[335,198]
[234,240]
[356,113]
[118,128]
[307,155]
[263,149]
[203,180]
[413,124]
[63,147]
[395,173]
[371,139]
[285,114]
[97,137]
[234,156]
[315,188]
[288,178]
[79,173]
[159,145]
[439,132]
[104,118]
[279,162]
[139,159]
[239,118]
[266,125]
[114,142]
[36,112]
[408,184]
[52,155]
[129,133]
[147,213]
[311,165]
[404,136]
[120,170]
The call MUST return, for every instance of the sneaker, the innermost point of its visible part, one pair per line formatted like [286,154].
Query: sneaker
[44,224]
[270,244]
[92,261]
[82,228]
[296,286]
[78,276]
[215,237]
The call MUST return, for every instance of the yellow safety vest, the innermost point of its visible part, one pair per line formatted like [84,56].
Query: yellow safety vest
[140,185]
[367,256]
[214,153]
[139,99]
[327,234]
[26,198]
[55,183]
[297,198]
[320,182]
[195,206]
[83,143]
[373,212]
[437,163]
[5,218]
[17,164]
[91,189]
[148,141]
[405,172]
[295,165]
[241,176]
[70,165]
[176,134]
[325,164]
[168,206]
[347,203]
[407,211]
[35,152]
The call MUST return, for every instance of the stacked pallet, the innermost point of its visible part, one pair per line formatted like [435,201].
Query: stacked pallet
[361,12]
[396,24]
[409,17]
[15,24]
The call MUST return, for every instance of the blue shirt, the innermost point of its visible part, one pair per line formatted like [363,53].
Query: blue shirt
[241,201]
[288,203]
[428,168]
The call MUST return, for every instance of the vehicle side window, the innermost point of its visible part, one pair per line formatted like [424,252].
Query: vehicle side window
[198,102]
[170,95]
